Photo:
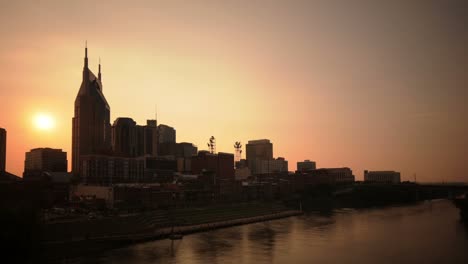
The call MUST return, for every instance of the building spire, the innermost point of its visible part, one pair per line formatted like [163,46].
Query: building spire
[86,55]
[99,73]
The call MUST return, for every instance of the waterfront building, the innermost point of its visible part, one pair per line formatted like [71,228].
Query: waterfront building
[391,177]
[330,176]
[107,170]
[219,167]
[166,134]
[128,195]
[306,165]
[222,164]
[45,159]
[3,135]
[91,131]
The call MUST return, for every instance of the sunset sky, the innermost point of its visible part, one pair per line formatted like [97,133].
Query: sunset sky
[367,85]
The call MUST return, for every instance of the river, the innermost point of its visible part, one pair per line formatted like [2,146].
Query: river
[429,232]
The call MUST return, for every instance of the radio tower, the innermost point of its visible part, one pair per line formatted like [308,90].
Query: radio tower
[212,145]
[238,148]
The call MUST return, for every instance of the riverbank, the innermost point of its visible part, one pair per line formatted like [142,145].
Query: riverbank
[88,237]
[418,233]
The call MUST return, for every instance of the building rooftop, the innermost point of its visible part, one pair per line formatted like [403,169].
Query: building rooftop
[259,141]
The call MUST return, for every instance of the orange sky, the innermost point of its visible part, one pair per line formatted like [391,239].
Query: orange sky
[368,86]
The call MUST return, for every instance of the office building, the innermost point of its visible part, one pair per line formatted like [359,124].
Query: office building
[151,138]
[390,177]
[132,140]
[45,160]
[329,176]
[242,173]
[182,152]
[91,129]
[220,167]
[166,134]
[258,150]
[107,170]
[306,165]
[125,137]
[221,163]
[270,166]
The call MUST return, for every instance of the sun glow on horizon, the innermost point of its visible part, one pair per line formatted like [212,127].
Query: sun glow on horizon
[44,121]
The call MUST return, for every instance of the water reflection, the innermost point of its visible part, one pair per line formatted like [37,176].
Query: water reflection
[423,233]
[209,246]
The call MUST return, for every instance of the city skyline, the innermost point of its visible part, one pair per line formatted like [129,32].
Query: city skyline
[203,92]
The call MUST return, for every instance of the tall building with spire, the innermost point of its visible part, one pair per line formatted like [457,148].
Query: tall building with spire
[91,133]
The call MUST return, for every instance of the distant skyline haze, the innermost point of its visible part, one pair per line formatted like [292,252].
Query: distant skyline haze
[377,85]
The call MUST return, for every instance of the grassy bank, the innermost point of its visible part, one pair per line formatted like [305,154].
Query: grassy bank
[87,236]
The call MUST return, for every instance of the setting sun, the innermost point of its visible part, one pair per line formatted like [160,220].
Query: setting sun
[44,122]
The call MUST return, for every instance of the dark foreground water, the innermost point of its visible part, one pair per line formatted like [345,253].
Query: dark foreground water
[425,233]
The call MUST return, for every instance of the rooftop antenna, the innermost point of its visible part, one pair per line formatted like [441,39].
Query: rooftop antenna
[99,73]
[86,54]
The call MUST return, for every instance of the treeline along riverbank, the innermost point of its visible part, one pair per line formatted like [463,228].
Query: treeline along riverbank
[371,195]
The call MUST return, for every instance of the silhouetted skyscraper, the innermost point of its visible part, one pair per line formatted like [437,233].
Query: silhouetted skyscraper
[151,138]
[125,137]
[132,140]
[2,150]
[167,134]
[91,132]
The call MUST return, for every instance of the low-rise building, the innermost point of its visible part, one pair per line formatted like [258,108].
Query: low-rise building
[306,165]
[392,177]
[219,167]
[271,165]
[242,173]
[45,159]
[331,176]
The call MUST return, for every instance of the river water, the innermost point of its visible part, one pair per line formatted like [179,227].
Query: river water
[428,232]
